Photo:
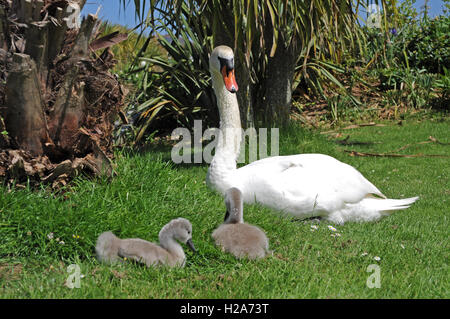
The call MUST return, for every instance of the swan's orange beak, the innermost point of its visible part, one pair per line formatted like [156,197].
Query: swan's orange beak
[229,79]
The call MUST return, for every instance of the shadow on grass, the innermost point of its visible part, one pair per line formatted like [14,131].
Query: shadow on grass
[163,152]
[293,139]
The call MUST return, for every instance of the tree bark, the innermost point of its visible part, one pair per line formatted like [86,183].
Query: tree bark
[56,35]
[37,48]
[25,120]
[278,86]
[59,98]
[3,28]
[69,110]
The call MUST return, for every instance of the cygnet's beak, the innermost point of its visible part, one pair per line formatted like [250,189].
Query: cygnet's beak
[190,244]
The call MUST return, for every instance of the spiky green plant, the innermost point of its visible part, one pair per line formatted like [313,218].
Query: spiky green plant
[175,87]
[270,39]
[125,52]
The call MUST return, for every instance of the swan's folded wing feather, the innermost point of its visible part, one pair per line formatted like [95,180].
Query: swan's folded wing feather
[141,251]
[277,163]
[310,179]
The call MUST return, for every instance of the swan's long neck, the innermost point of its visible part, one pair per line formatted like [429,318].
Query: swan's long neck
[229,140]
[175,250]
[230,122]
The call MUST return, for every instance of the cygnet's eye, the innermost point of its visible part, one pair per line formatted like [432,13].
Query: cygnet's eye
[227,214]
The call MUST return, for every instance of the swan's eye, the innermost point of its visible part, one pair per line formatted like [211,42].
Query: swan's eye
[228,63]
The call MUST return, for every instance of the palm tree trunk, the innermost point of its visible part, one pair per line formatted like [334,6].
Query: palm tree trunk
[279,75]
[25,120]
[59,99]
[278,87]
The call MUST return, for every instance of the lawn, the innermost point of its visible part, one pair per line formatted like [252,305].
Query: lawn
[43,233]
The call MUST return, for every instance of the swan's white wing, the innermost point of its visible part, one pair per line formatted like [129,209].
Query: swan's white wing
[303,182]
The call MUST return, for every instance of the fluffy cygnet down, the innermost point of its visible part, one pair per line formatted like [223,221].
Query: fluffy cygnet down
[235,236]
[110,248]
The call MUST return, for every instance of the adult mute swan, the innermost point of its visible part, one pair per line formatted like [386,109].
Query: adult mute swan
[303,185]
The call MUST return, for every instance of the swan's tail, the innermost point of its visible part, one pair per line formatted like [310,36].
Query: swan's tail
[369,209]
[107,247]
[388,206]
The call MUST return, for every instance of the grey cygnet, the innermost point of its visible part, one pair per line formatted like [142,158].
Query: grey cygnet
[235,236]
[110,248]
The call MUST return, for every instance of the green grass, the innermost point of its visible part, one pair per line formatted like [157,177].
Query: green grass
[149,191]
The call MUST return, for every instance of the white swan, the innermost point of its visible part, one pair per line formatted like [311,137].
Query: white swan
[303,185]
